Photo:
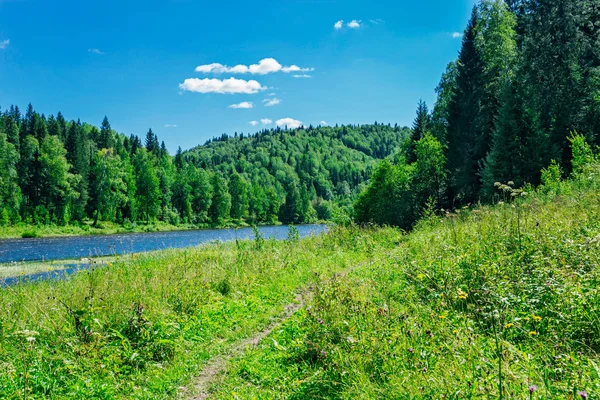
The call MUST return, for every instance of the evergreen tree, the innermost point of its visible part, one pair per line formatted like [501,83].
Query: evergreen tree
[105,137]
[464,122]
[421,125]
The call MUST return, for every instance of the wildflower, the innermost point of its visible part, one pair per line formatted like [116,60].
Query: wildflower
[532,388]
[537,318]
[109,264]
[424,369]
[455,331]
[532,333]
[411,350]
[509,325]
[583,394]
[442,316]
[320,321]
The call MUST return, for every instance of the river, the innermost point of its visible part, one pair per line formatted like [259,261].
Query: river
[75,247]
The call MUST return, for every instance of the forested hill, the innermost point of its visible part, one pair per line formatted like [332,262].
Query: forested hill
[329,162]
[54,171]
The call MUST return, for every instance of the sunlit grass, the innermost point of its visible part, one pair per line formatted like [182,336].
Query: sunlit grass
[143,325]
[488,302]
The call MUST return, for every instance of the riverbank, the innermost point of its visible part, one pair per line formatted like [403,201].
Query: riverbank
[106,228]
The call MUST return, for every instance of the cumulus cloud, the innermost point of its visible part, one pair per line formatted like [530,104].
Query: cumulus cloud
[225,86]
[338,25]
[264,66]
[243,104]
[271,94]
[4,43]
[95,51]
[302,76]
[266,121]
[253,123]
[170,126]
[289,122]
[354,24]
[456,35]
[271,102]
[324,123]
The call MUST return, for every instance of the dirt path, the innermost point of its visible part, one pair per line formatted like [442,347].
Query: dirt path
[217,365]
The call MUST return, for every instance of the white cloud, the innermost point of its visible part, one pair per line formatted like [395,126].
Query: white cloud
[225,86]
[271,94]
[456,35]
[4,43]
[266,121]
[95,51]
[377,21]
[271,102]
[295,68]
[170,126]
[214,67]
[289,122]
[338,25]
[324,123]
[253,123]
[302,76]
[354,24]
[243,104]
[264,66]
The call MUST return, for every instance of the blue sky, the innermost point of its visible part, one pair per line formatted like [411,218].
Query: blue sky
[137,61]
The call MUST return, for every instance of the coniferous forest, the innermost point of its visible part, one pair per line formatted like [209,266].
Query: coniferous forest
[55,171]
[526,79]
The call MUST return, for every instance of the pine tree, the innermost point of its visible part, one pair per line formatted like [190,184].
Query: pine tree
[421,125]
[464,122]
[105,138]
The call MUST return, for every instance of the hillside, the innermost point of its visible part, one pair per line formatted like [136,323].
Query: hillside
[501,299]
[76,178]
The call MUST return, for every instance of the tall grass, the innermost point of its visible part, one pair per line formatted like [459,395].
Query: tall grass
[489,302]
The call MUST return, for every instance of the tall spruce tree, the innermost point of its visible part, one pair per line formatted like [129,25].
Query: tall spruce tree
[464,122]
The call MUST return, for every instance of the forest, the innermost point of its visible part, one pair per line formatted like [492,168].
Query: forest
[526,82]
[59,172]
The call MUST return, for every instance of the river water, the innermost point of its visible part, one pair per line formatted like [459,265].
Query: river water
[75,247]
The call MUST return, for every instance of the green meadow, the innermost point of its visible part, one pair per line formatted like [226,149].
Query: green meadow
[490,301]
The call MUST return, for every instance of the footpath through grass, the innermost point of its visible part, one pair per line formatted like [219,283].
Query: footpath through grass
[492,302]
[143,326]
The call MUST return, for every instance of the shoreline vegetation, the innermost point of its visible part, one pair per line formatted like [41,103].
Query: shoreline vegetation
[22,231]
[467,304]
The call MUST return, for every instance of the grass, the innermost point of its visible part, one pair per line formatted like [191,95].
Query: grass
[488,302]
[144,325]
[24,230]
